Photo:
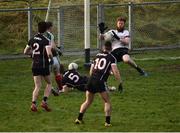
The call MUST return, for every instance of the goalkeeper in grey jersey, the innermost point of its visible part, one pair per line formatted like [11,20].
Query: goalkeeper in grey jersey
[120,42]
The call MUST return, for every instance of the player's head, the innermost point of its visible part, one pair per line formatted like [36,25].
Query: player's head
[49,26]
[41,27]
[121,23]
[107,46]
[72,66]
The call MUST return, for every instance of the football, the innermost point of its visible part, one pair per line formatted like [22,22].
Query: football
[72,66]
[108,36]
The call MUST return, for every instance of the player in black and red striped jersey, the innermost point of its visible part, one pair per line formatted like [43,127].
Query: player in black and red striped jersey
[40,49]
[99,73]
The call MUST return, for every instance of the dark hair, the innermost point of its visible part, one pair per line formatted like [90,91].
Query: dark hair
[42,27]
[121,19]
[49,24]
[108,45]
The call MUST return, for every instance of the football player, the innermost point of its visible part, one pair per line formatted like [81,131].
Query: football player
[56,52]
[72,79]
[40,49]
[99,73]
[120,43]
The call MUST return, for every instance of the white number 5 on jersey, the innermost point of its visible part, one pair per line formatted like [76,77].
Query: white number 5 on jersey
[73,77]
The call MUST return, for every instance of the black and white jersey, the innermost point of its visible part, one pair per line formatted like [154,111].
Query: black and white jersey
[38,44]
[72,78]
[102,66]
[116,43]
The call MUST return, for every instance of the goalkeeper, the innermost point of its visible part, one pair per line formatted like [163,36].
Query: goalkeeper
[56,53]
[120,43]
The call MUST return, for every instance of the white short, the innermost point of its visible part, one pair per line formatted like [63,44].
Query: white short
[56,64]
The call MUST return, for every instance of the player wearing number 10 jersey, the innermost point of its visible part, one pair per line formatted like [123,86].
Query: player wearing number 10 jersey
[40,49]
[99,72]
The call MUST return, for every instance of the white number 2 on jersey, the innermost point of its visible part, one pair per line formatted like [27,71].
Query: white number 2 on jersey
[100,63]
[73,77]
[36,50]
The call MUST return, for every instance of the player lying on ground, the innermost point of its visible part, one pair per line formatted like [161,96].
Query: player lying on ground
[99,73]
[72,79]
[120,43]
[40,49]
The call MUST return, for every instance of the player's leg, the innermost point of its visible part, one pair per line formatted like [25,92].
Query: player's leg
[127,59]
[107,107]
[58,76]
[37,86]
[85,106]
[47,92]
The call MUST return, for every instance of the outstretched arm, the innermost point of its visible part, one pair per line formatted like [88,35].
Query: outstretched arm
[124,40]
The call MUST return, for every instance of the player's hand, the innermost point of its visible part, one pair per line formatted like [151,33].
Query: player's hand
[102,27]
[51,61]
[120,88]
[30,56]
[59,51]
[115,35]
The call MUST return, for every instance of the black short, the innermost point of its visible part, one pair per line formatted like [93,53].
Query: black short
[95,86]
[119,52]
[40,71]
[83,83]
[81,88]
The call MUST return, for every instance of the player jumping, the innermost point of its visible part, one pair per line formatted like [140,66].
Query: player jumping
[120,42]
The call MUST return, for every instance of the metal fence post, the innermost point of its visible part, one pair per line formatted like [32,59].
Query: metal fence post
[130,14]
[29,21]
[61,27]
[100,18]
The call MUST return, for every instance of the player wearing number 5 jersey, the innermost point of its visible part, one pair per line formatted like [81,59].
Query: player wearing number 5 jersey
[99,73]
[72,79]
[40,49]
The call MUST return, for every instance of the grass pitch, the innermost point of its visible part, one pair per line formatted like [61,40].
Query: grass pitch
[148,103]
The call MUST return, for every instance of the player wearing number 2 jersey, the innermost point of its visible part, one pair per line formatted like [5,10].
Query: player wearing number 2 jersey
[99,72]
[40,49]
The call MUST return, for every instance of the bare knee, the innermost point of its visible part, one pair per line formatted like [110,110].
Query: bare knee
[37,86]
[88,101]
[126,58]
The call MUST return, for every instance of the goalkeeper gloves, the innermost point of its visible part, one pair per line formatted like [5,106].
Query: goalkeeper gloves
[102,27]
[120,88]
